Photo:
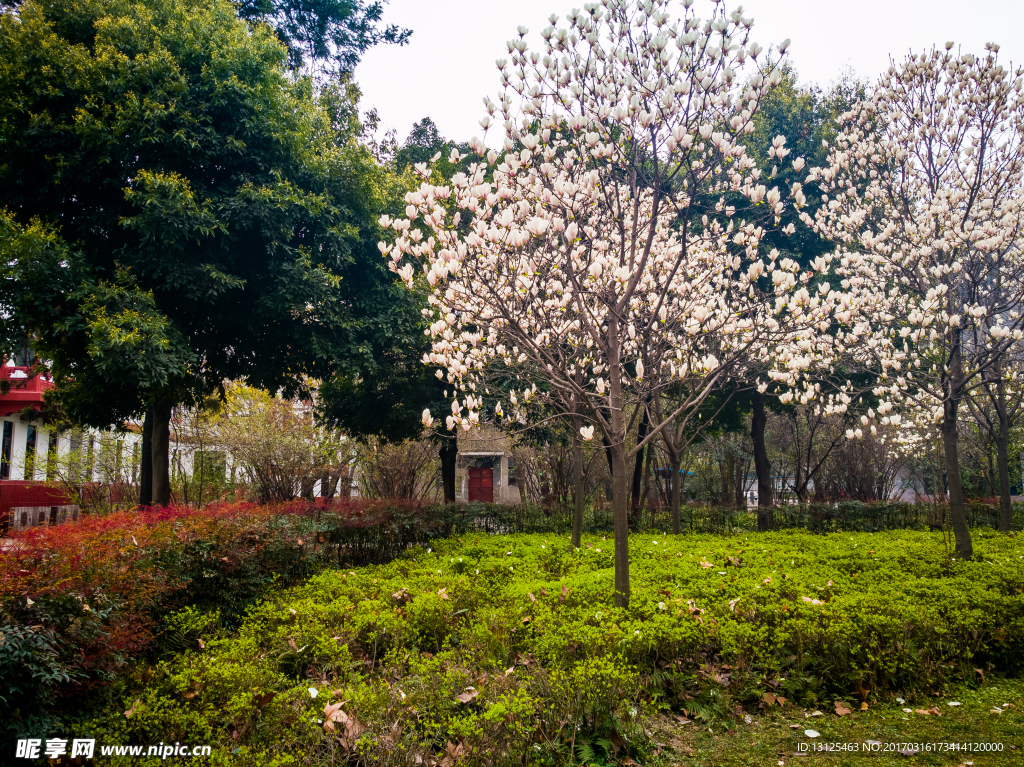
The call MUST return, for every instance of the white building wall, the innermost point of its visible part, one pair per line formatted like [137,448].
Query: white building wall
[18,450]
[42,447]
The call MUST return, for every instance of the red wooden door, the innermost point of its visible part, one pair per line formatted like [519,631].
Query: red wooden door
[481,485]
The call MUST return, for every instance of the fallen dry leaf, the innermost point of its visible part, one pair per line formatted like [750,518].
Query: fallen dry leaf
[452,754]
[353,728]
[401,596]
[332,714]
[131,711]
[841,708]
[468,695]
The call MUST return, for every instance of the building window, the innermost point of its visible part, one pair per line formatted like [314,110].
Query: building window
[30,453]
[5,452]
[90,456]
[51,457]
[74,460]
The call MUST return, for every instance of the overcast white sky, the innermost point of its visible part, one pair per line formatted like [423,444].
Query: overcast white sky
[448,67]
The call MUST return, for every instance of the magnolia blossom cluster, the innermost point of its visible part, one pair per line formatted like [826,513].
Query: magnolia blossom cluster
[922,193]
[615,244]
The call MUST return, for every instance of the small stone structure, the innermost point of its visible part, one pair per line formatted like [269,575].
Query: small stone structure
[484,468]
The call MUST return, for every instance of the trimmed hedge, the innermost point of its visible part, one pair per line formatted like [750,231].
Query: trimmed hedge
[81,603]
[509,651]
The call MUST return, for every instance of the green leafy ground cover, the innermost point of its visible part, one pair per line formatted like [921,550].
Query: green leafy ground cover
[507,650]
[971,733]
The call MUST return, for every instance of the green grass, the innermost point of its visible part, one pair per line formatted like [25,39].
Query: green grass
[507,650]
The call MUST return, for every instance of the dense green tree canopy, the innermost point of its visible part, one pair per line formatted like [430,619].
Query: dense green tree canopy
[384,393]
[178,209]
[806,116]
[325,37]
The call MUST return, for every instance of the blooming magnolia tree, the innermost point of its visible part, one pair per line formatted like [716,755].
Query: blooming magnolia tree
[923,197]
[612,250]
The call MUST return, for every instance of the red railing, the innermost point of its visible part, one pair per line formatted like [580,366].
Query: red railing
[31,504]
[21,389]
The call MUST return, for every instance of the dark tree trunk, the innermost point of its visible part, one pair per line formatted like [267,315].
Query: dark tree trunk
[345,489]
[617,438]
[727,470]
[645,497]
[307,486]
[577,492]
[765,517]
[161,458]
[1003,459]
[957,508]
[620,510]
[638,469]
[449,451]
[146,462]
[608,455]
[328,482]
[675,492]
[739,485]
